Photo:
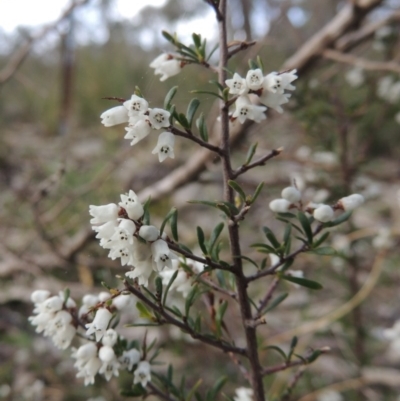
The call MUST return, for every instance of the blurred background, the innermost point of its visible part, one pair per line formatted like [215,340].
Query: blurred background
[340,133]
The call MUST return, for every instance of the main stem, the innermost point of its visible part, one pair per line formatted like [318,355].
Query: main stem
[241,283]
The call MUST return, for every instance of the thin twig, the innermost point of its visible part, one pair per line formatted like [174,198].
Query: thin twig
[267,297]
[240,46]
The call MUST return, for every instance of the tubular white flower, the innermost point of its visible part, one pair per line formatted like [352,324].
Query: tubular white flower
[142,373]
[39,296]
[106,353]
[279,205]
[162,255]
[165,146]
[254,79]
[137,130]
[243,394]
[84,353]
[237,85]
[90,300]
[159,60]
[291,194]
[159,118]
[274,100]
[130,202]
[142,271]
[60,320]
[129,358]
[245,109]
[89,370]
[272,83]
[149,233]
[116,115]
[53,304]
[62,338]
[103,214]
[351,202]
[136,105]
[286,79]
[123,301]
[110,368]
[110,338]
[125,254]
[41,321]
[100,323]
[324,213]
[123,235]
[168,69]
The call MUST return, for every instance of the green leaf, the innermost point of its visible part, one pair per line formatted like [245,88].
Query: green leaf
[234,185]
[276,301]
[201,240]
[217,84]
[142,325]
[286,235]
[277,349]
[305,223]
[207,93]
[185,248]
[136,391]
[326,250]
[159,287]
[257,192]
[182,120]
[248,259]
[321,239]
[212,51]
[271,237]
[286,215]
[260,63]
[190,299]
[193,390]
[263,248]
[250,154]
[196,40]
[313,285]
[146,214]
[143,311]
[214,236]
[212,394]
[171,280]
[253,65]
[202,127]
[169,37]
[170,95]
[174,225]
[220,316]
[314,356]
[191,110]
[167,217]
[67,293]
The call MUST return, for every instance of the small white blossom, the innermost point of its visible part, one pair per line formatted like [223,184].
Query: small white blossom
[130,358]
[243,394]
[324,213]
[165,146]
[114,116]
[286,79]
[254,79]
[100,323]
[136,105]
[89,370]
[103,214]
[62,338]
[130,202]
[142,373]
[162,255]
[123,301]
[272,83]
[355,77]
[351,202]
[245,109]
[159,118]
[39,296]
[291,194]
[237,85]
[137,129]
[279,205]
[329,395]
[149,233]
[166,66]
[274,100]
[110,338]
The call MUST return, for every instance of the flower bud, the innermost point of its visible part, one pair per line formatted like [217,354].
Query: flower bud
[351,202]
[106,353]
[291,194]
[279,205]
[324,213]
[39,296]
[149,233]
[114,116]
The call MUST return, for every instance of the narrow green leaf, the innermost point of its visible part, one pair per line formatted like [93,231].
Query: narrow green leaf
[313,285]
[212,51]
[260,63]
[253,65]
[167,217]
[220,316]
[275,302]
[170,95]
[214,236]
[201,240]
[185,248]
[286,215]
[234,185]
[174,225]
[136,391]
[341,219]
[67,293]
[143,311]
[321,239]
[182,120]
[196,39]
[207,93]
[159,287]
[169,37]
[146,214]
[171,280]
[271,237]
[288,231]
[193,390]
[191,110]
[257,192]
[217,84]
[250,154]
[202,127]
[248,259]
[277,349]
[305,223]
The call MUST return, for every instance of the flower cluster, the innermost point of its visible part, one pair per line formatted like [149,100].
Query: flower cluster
[270,89]
[291,199]
[142,120]
[121,232]
[166,65]
[58,317]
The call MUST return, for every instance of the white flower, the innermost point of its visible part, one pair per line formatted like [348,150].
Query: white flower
[137,129]
[110,368]
[84,353]
[279,205]
[123,301]
[136,105]
[165,146]
[329,395]
[286,79]
[62,338]
[130,358]
[166,66]
[103,214]
[130,202]
[142,373]
[142,262]
[52,304]
[291,194]
[162,255]
[254,79]
[100,323]
[89,370]
[159,118]
[274,100]
[110,338]
[324,213]
[237,85]
[106,353]
[123,235]
[39,296]
[41,321]
[355,77]
[149,233]
[90,300]
[243,394]
[245,109]
[114,116]
[273,83]
[351,202]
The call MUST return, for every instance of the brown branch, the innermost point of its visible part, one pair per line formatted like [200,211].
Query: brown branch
[267,298]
